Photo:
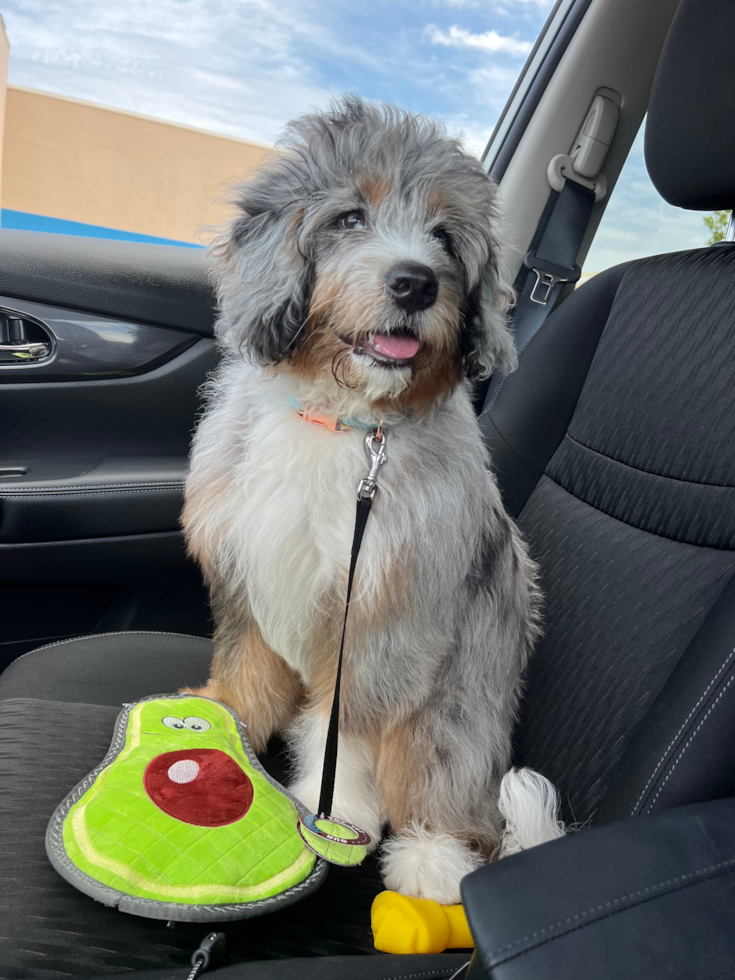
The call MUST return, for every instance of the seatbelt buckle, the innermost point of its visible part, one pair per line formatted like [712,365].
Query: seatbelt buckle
[548,274]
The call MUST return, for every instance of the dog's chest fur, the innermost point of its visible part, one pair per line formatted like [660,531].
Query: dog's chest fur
[295,521]
[282,520]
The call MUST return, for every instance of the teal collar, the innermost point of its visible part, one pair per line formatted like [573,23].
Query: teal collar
[331,422]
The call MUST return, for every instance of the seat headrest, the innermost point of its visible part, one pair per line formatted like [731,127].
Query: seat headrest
[690,131]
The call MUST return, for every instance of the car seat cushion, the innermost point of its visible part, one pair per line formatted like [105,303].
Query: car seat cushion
[109,668]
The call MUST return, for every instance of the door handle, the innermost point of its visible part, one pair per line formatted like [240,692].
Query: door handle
[22,341]
[10,353]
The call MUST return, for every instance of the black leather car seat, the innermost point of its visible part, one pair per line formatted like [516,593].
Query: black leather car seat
[615,446]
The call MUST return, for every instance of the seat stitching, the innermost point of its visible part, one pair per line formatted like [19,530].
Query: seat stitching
[417,976]
[88,493]
[676,737]
[610,914]
[523,463]
[94,636]
[615,901]
[520,353]
[500,388]
[688,743]
[82,488]
[638,469]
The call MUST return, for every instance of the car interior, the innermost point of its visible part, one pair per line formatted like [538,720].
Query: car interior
[613,446]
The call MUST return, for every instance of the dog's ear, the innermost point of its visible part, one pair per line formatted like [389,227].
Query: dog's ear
[263,272]
[486,342]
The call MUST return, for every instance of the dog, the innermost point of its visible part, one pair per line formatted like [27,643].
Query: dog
[360,282]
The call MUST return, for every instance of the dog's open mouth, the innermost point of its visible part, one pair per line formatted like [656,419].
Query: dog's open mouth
[392,349]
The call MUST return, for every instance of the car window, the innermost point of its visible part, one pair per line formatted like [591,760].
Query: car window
[638,222]
[129,120]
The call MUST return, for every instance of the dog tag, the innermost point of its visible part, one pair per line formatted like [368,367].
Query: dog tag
[336,841]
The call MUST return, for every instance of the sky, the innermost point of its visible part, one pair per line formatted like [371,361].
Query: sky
[244,67]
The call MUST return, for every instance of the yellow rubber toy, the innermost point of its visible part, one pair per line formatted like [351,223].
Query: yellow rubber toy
[418,925]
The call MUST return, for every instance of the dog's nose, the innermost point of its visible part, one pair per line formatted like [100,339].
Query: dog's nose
[412,286]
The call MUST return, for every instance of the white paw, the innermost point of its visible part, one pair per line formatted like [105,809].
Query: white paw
[423,864]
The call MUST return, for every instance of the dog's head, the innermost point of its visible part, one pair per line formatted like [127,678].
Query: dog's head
[363,258]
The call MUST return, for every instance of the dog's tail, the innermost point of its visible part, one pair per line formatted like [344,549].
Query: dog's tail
[529,804]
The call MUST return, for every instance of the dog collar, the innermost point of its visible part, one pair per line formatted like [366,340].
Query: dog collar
[331,422]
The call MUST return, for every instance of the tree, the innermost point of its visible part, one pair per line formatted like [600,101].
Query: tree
[717,224]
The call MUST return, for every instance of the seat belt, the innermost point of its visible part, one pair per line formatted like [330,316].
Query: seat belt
[551,261]
[550,264]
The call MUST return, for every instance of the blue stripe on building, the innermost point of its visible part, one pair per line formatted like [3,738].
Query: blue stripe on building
[26,221]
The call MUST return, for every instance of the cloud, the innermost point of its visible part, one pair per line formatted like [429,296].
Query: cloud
[244,67]
[464,4]
[489,41]
[490,86]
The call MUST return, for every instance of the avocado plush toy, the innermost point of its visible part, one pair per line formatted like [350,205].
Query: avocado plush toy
[181,822]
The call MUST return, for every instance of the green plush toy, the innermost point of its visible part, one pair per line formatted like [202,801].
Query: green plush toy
[180,821]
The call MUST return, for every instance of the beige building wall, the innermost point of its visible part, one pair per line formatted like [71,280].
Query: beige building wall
[83,162]
[4,59]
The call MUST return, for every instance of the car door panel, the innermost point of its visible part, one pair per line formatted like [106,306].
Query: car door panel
[94,440]
[159,284]
[116,496]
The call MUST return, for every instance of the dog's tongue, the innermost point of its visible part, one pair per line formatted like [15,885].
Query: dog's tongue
[398,346]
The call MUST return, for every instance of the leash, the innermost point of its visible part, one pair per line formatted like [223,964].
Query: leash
[375,448]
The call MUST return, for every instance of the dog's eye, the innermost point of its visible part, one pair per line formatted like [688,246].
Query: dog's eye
[444,239]
[353,219]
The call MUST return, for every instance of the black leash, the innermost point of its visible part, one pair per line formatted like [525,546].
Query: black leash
[375,446]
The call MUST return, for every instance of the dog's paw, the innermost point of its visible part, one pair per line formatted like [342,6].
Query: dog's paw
[424,864]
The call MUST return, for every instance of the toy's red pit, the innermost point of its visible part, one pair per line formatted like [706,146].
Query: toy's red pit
[201,786]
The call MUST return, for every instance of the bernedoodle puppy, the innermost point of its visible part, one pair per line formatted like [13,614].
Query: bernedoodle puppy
[360,282]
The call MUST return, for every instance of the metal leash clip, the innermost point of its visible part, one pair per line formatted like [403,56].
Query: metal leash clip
[376,457]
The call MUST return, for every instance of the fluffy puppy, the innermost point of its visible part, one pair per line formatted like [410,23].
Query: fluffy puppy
[359,281]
